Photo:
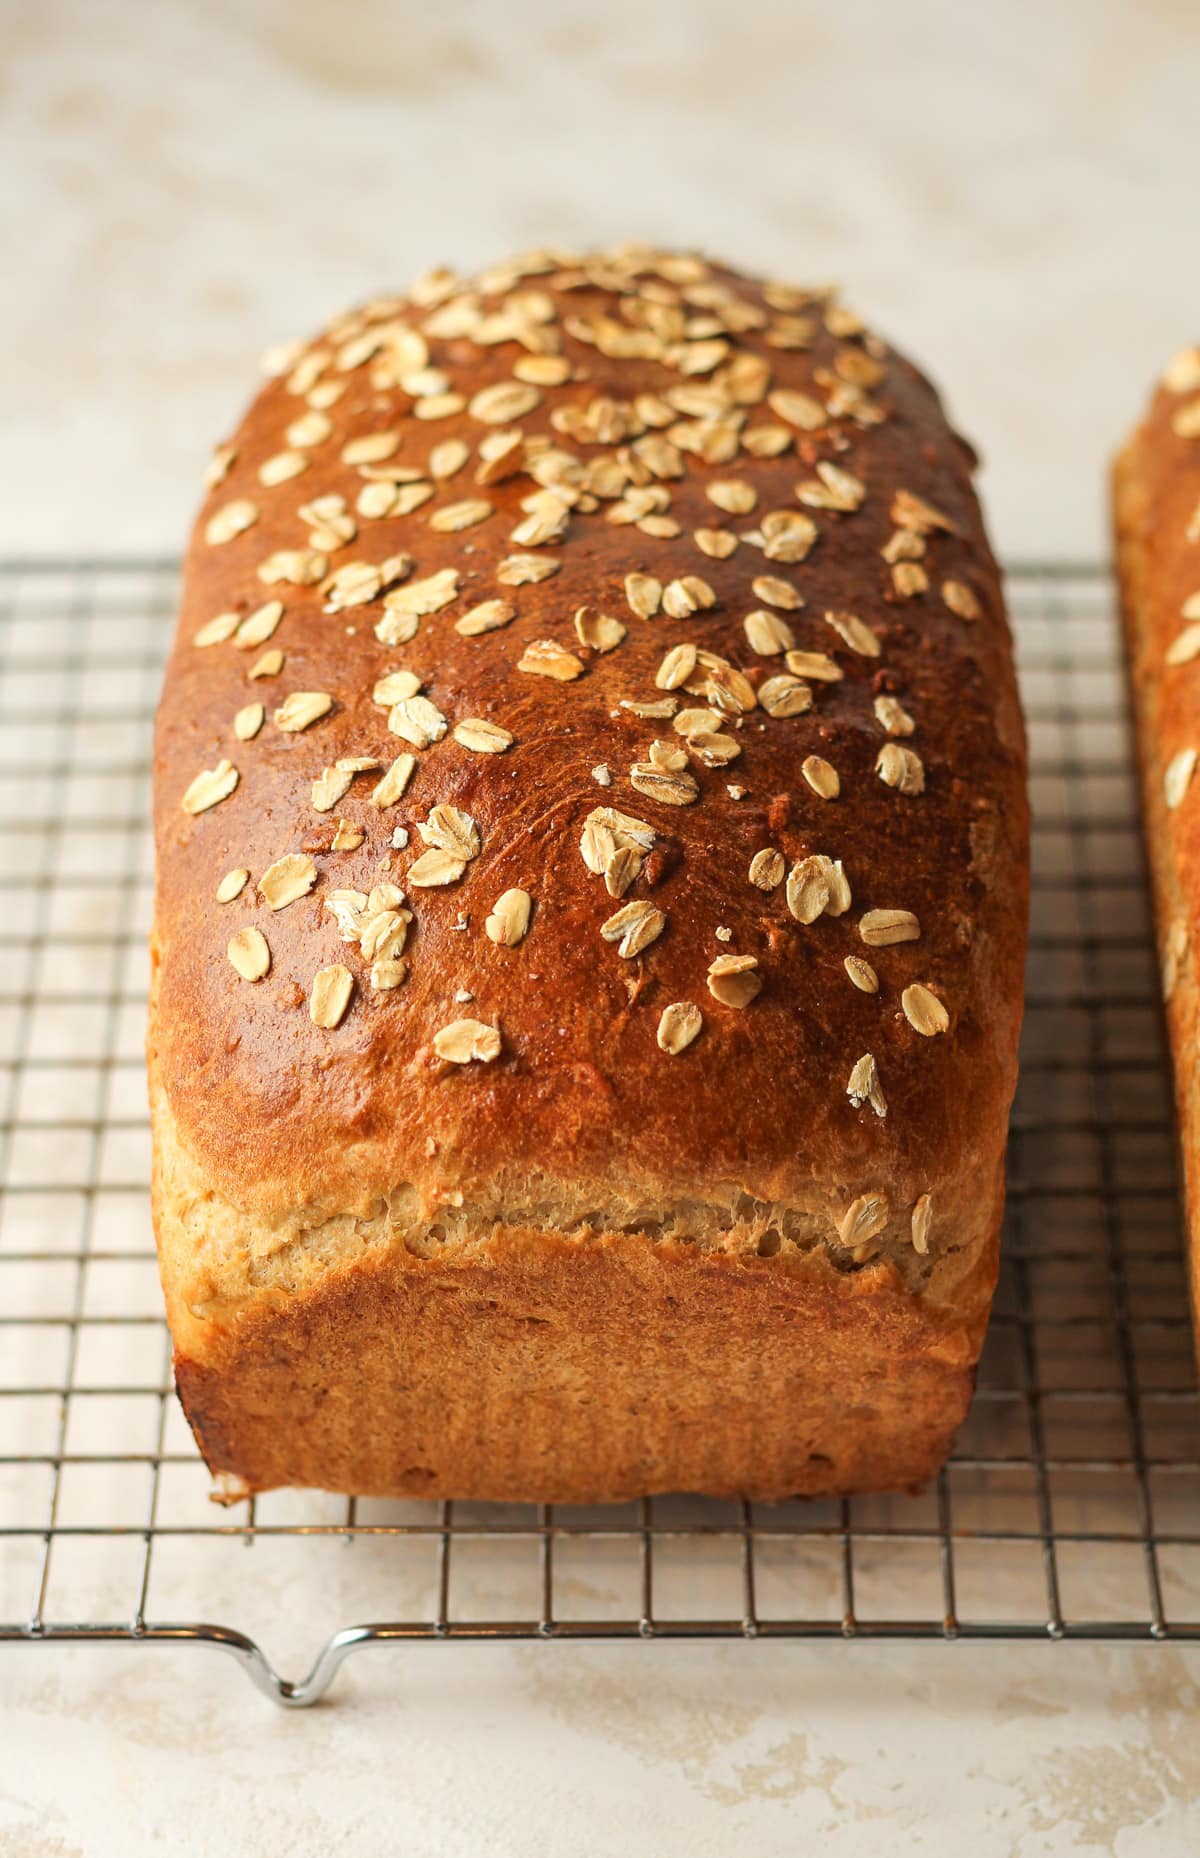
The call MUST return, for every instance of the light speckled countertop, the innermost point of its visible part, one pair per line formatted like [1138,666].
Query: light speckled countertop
[862,1752]
[1010,192]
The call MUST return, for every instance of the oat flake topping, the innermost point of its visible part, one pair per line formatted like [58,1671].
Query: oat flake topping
[467,1040]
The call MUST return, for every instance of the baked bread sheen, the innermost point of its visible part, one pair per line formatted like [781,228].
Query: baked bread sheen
[592,887]
[1156,484]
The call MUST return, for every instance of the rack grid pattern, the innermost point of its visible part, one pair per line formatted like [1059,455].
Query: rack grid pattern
[1071,1505]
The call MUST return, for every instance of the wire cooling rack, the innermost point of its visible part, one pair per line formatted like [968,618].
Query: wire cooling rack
[1070,1508]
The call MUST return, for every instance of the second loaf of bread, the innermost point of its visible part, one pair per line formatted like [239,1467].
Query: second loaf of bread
[1156,485]
[592,880]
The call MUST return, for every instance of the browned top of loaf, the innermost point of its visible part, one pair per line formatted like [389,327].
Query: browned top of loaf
[537,436]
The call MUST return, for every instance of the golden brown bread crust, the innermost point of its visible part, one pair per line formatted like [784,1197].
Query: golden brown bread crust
[319,1189]
[1156,507]
[596,1371]
[578,1367]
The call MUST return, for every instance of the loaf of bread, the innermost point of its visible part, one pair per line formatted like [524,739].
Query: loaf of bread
[1156,501]
[591,904]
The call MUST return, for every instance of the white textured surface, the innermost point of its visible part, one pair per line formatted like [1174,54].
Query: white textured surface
[513,1753]
[1008,191]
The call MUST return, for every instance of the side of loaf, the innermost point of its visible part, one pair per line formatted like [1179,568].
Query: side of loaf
[1156,506]
[591,901]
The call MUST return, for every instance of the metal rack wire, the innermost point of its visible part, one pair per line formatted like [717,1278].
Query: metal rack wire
[1071,1506]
